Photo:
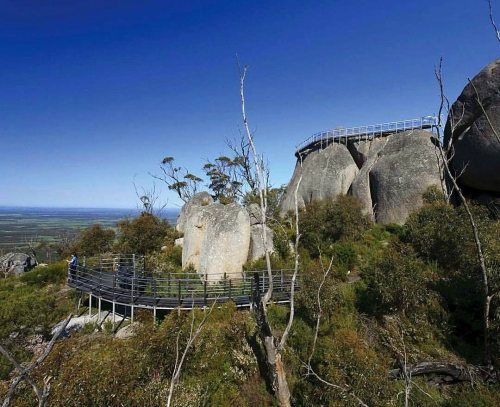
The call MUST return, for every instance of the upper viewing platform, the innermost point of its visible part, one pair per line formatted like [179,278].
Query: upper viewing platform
[325,138]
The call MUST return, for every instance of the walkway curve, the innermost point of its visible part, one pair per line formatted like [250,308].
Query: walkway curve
[134,289]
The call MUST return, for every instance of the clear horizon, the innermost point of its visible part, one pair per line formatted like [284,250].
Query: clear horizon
[95,94]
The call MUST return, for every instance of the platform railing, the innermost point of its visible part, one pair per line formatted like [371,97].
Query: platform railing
[367,132]
[173,290]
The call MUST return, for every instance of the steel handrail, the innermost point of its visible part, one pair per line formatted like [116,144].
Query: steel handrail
[368,131]
[118,287]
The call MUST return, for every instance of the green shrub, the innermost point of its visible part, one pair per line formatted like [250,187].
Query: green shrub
[94,240]
[397,282]
[55,273]
[144,234]
[324,223]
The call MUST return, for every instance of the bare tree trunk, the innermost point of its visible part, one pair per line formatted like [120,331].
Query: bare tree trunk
[492,20]
[479,248]
[24,373]
[276,369]
[193,334]
[308,366]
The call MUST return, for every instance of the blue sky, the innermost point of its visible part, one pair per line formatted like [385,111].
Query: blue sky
[94,94]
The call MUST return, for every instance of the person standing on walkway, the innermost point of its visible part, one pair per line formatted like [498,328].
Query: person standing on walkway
[73,264]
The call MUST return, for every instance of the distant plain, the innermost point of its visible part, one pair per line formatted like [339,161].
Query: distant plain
[21,225]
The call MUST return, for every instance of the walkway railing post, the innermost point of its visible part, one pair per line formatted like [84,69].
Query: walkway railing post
[282,281]
[205,292]
[90,305]
[225,284]
[132,301]
[154,299]
[230,288]
[114,298]
[179,293]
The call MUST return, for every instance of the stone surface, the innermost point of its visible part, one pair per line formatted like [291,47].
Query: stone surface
[226,242]
[179,242]
[255,214]
[257,247]
[394,173]
[17,263]
[77,323]
[360,188]
[199,199]
[404,169]
[128,331]
[216,240]
[472,131]
[325,174]
[362,150]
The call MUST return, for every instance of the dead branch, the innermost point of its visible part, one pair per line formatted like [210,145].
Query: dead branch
[308,366]
[478,100]
[274,361]
[492,20]
[193,335]
[149,198]
[454,372]
[23,373]
[296,268]
[479,248]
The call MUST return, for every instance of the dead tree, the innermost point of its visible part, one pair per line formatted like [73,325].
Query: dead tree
[447,373]
[492,20]
[180,359]
[149,198]
[273,345]
[488,295]
[24,373]
[310,372]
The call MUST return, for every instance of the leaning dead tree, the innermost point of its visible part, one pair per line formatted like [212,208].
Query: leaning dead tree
[445,153]
[309,370]
[492,20]
[273,345]
[24,373]
[445,372]
[180,359]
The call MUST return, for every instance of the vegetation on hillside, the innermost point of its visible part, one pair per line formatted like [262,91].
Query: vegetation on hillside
[397,293]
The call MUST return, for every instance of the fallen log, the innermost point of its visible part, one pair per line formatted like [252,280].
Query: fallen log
[447,373]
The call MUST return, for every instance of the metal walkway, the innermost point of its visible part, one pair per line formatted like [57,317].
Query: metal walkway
[119,283]
[338,135]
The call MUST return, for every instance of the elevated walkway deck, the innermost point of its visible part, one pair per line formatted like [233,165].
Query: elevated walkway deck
[343,135]
[123,285]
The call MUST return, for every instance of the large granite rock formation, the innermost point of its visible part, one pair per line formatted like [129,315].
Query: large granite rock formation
[257,246]
[388,174]
[199,199]
[326,173]
[474,130]
[17,263]
[216,237]
[397,171]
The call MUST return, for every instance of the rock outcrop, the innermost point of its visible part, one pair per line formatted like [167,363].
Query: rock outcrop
[388,174]
[326,173]
[257,247]
[473,128]
[216,239]
[199,199]
[397,171]
[17,263]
